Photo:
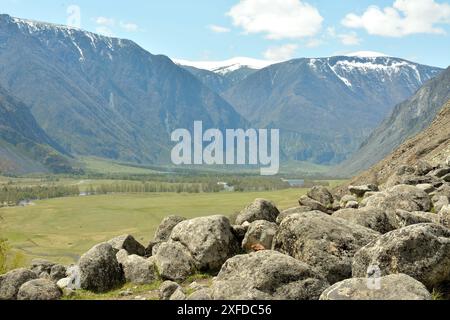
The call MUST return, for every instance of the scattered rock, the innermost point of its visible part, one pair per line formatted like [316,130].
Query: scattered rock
[201,295]
[439,202]
[405,218]
[322,241]
[439,173]
[421,251]
[11,282]
[360,191]
[210,241]
[391,287]
[266,275]
[64,283]
[99,269]
[346,199]
[428,188]
[423,167]
[178,295]
[313,204]
[288,212]
[372,218]
[126,293]
[174,261]
[167,289]
[259,233]
[444,216]
[40,265]
[404,169]
[58,272]
[321,195]
[164,230]
[129,243]
[139,270]
[39,289]
[260,209]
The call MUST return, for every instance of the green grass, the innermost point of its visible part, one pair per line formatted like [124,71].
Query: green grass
[62,229]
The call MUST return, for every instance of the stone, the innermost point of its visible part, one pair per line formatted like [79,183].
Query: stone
[428,188]
[41,265]
[267,275]
[391,287]
[446,178]
[326,243]
[63,283]
[167,289]
[139,270]
[313,204]
[421,251]
[322,195]
[178,295]
[259,233]
[58,272]
[174,261]
[360,191]
[372,218]
[260,209]
[164,230]
[346,199]
[239,231]
[11,282]
[129,243]
[447,162]
[444,216]
[404,169]
[439,202]
[405,218]
[99,269]
[352,205]
[288,212]
[423,167]
[201,295]
[210,241]
[439,173]
[39,289]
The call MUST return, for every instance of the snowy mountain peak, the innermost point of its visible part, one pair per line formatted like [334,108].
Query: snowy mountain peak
[227,66]
[366,54]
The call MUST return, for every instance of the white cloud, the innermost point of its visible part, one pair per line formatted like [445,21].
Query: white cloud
[350,39]
[281,53]
[104,31]
[218,29]
[129,26]
[278,19]
[405,17]
[313,43]
[104,21]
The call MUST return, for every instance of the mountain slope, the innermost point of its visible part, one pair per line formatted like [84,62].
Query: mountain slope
[431,145]
[326,107]
[24,146]
[407,119]
[101,96]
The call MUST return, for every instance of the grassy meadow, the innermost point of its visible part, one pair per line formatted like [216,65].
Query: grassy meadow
[62,229]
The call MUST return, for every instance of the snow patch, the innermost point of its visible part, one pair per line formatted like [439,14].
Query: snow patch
[227,66]
[366,54]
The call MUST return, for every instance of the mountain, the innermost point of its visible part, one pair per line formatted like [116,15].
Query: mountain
[407,119]
[101,96]
[431,145]
[222,75]
[326,107]
[24,146]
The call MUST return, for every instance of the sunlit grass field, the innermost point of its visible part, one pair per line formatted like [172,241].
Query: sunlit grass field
[62,229]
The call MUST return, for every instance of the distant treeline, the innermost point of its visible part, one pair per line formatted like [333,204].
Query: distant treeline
[13,195]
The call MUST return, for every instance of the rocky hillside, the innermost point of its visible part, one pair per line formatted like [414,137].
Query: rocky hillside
[24,146]
[408,119]
[354,247]
[102,96]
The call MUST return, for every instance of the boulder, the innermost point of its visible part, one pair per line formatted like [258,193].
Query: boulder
[360,191]
[321,195]
[267,275]
[40,265]
[439,202]
[99,269]
[422,168]
[428,188]
[288,212]
[139,270]
[405,169]
[201,295]
[259,233]
[439,173]
[260,209]
[64,283]
[39,289]
[372,218]
[352,205]
[174,261]
[313,204]
[178,295]
[165,228]
[323,242]
[403,197]
[391,287]
[446,178]
[404,218]
[58,272]
[346,199]
[239,231]
[421,251]
[210,241]
[444,216]
[11,282]
[129,243]
[167,289]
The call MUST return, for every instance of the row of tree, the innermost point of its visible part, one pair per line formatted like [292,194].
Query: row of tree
[13,195]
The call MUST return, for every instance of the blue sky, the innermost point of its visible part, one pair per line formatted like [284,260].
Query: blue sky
[418,30]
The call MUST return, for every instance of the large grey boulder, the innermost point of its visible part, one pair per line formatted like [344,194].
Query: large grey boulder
[99,269]
[391,287]
[260,233]
[325,243]
[11,282]
[129,243]
[421,251]
[174,261]
[267,275]
[404,218]
[315,205]
[163,232]
[260,209]
[288,212]
[58,272]
[360,191]
[210,240]
[39,289]
[403,197]
[321,194]
[372,218]
[139,270]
